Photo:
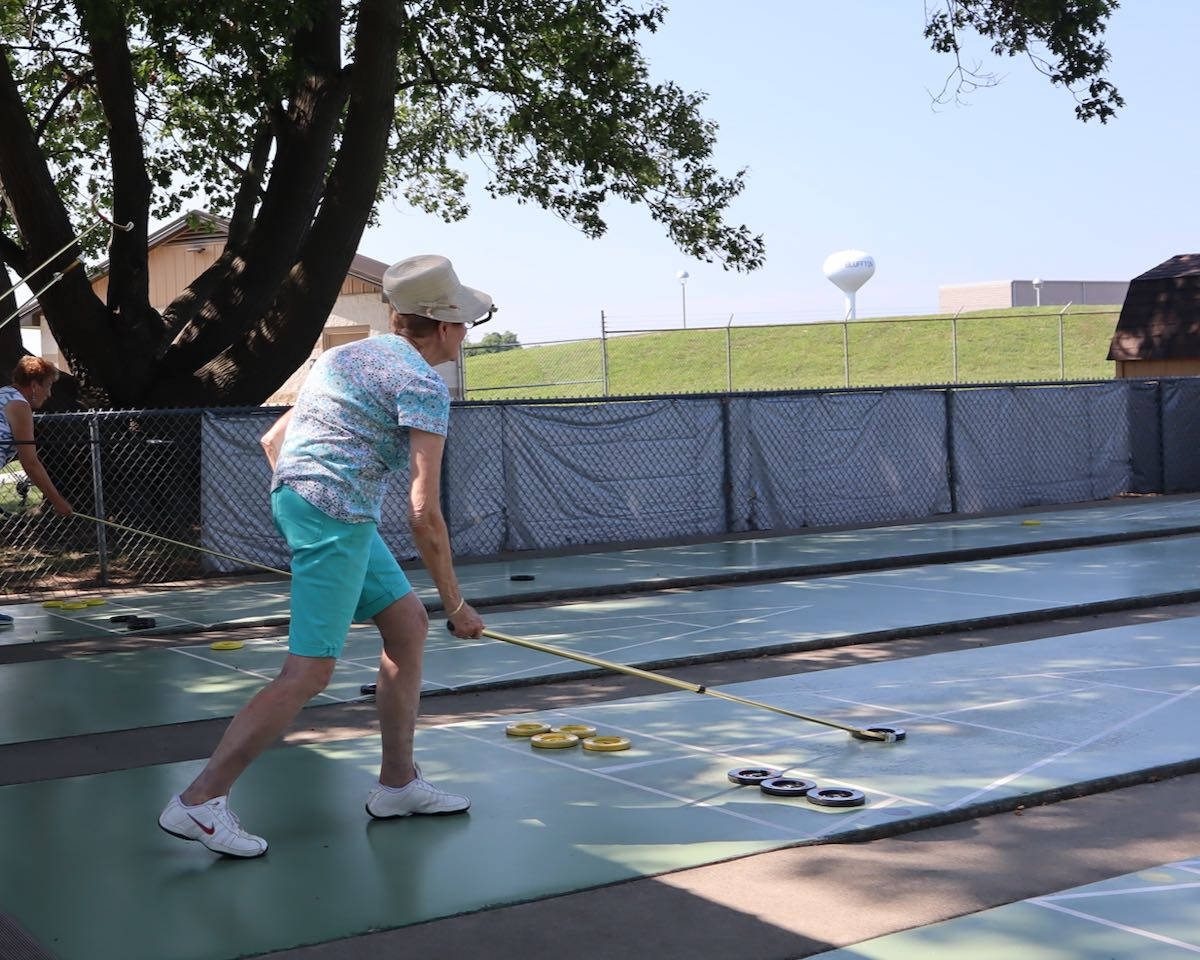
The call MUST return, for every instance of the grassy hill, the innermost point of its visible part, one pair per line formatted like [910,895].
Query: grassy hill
[1017,344]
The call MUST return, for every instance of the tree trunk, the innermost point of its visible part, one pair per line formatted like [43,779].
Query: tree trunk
[128,263]
[78,319]
[304,145]
[256,365]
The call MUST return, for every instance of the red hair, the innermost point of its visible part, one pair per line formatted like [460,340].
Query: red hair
[31,370]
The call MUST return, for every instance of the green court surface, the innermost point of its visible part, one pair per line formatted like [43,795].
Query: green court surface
[114,691]
[205,607]
[1150,915]
[88,873]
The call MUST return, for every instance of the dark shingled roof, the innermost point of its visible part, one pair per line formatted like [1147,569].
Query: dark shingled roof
[1160,318]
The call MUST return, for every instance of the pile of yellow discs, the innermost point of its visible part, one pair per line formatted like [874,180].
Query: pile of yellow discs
[80,603]
[546,737]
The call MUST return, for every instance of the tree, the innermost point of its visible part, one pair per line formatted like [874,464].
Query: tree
[493,343]
[294,118]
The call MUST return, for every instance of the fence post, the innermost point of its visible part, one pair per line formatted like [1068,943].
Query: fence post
[604,351]
[846,348]
[1162,440]
[726,465]
[98,496]
[728,357]
[1062,365]
[951,466]
[954,341]
[462,373]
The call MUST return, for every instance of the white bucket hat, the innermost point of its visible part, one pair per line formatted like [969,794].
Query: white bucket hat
[428,286]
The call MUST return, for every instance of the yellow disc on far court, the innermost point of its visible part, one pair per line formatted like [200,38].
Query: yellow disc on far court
[226,645]
[553,741]
[73,606]
[1031,523]
[52,604]
[94,602]
[606,744]
[527,728]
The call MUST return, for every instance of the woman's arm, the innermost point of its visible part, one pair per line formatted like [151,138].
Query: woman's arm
[20,418]
[272,440]
[430,532]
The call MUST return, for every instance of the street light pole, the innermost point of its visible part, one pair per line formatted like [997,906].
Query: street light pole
[682,277]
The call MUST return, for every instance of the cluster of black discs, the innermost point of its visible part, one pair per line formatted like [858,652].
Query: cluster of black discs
[775,784]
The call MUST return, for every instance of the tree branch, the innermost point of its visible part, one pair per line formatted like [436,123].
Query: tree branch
[13,255]
[72,84]
[250,188]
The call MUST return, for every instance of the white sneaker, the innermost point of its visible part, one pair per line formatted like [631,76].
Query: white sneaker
[418,796]
[212,824]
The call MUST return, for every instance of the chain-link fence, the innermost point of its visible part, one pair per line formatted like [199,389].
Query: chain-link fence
[551,474]
[1016,345]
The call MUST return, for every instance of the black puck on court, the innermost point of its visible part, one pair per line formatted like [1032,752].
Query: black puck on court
[752,776]
[522,577]
[140,623]
[836,797]
[367,689]
[787,786]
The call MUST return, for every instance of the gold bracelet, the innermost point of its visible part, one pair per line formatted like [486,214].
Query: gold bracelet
[461,603]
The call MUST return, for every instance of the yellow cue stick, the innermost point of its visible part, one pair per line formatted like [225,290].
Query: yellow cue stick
[858,732]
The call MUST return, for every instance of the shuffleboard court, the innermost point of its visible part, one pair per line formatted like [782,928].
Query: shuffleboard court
[984,727]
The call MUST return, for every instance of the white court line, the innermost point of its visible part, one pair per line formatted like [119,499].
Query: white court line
[1063,674]
[252,673]
[1011,700]
[1112,686]
[720,626]
[742,758]
[1159,888]
[841,822]
[642,643]
[629,783]
[1090,740]
[1136,931]
[957,593]
[915,715]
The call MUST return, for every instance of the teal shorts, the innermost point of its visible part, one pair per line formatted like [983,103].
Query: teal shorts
[342,573]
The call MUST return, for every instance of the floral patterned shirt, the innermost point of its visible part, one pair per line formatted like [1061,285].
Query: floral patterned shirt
[349,428]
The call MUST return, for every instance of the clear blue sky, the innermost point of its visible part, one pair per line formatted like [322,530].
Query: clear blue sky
[828,105]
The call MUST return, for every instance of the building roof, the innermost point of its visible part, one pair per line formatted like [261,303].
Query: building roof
[202,225]
[1160,318]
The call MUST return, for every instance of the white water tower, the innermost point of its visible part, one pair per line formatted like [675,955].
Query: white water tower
[848,270]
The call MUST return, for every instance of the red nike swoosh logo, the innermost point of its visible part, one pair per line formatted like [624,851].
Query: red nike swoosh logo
[209,830]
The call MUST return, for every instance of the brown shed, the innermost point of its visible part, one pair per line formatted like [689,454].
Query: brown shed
[1158,333]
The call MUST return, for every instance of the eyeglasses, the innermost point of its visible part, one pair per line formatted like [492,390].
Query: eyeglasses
[475,323]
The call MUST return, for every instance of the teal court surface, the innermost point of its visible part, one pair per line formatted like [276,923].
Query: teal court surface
[115,691]
[589,574]
[985,728]
[1150,915]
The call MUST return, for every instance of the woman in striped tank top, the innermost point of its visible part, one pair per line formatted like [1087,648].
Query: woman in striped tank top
[32,381]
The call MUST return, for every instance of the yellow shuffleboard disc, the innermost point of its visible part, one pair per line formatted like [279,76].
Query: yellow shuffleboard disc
[580,730]
[553,741]
[226,645]
[52,604]
[606,744]
[94,602]
[1031,523]
[527,728]
[73,606]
